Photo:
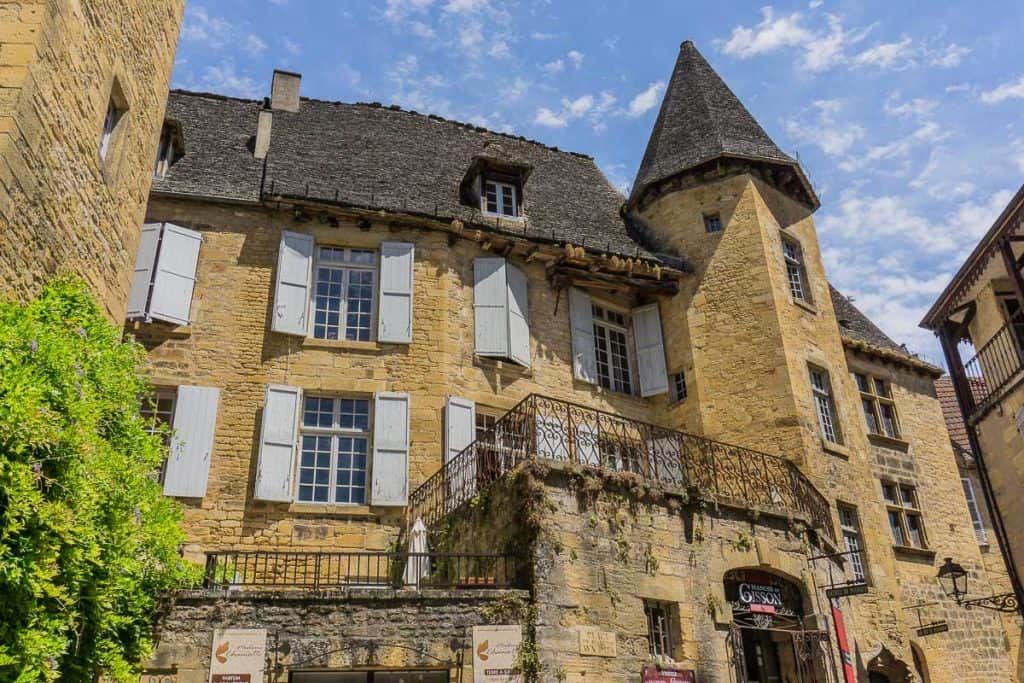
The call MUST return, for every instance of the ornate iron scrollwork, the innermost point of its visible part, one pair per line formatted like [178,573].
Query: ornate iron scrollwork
[1004,602]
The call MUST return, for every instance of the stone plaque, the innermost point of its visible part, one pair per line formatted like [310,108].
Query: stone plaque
[239,655]
[597,643]
[495,654]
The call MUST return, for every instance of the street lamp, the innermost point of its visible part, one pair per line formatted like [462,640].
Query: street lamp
[953,579]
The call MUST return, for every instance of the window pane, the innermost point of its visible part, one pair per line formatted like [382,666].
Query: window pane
[915,531]
[315,469]
[897,528]
[351,475]
[658,637]
[491,197]
[359,305]
[972,506]
[796,280]
[862,382]
[508,207]
[889,420]
[907,496]
[889,493]
[869,415]
[881,388]
[327,303]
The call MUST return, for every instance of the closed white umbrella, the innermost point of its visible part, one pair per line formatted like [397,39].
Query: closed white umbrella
[418,565]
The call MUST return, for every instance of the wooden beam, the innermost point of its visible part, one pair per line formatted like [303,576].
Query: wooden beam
[1016,279]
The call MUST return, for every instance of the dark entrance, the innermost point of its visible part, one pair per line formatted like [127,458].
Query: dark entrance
[761,655]
[371,676]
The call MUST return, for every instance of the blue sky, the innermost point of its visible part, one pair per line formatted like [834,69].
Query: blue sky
[905,118]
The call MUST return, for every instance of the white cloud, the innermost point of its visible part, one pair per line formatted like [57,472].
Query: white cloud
[291,47]
[825,51]
[499,49]
[927,133]
[224,79]
[464,6]
[769,35]
[832,136]
[646,100]
[540,35]
[553,67]
[1009,90]
[549,119]
[919,107]
[519,87]
[576,57]
[471,35]
[200,27]
[578,107]
[949,56]
[815,4]
[254,45]
[397,10]
[421,29]
[887,55]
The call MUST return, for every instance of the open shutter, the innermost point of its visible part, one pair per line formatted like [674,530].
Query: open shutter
[518,317]
[650,350]
[195,418]
[174,276]
[581,318]
[142,279]
[490,307]
[294,277]
[460,425]
[390,449]
[277,443]
[395,318]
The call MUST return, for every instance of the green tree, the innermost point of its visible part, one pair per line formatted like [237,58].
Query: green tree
[87,541]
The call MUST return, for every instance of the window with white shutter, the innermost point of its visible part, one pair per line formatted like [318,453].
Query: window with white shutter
[650,350]
[191,447]
[390,467]
[396,291]
[165,273]
[291,291]
[501,311]
[276,465]
[581,318]
[460,425]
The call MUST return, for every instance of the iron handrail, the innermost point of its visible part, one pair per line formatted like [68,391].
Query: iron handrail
[996,365]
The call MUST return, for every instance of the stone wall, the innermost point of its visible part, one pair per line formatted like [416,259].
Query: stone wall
[339,629]
[62,208]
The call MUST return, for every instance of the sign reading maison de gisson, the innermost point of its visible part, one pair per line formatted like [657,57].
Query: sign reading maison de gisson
[239,655]
[496,654]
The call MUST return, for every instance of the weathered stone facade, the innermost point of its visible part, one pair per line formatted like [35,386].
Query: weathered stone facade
[62,207]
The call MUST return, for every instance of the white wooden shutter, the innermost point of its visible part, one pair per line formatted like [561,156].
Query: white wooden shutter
[460,425]
[490,307]
[395,309]
[390,449]
[294,280]
[142,279]
[650,350]
[195,418]
[552,439]
[278,438]
[581,319]
[518,316]
[174,276]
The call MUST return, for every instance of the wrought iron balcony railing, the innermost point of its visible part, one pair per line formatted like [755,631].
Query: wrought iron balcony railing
[997,365]
[541,428]
[326,571]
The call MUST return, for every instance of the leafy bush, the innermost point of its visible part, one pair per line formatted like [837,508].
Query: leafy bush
[87,540]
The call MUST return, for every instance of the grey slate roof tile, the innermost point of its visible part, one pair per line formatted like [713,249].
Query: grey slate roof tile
[856,325]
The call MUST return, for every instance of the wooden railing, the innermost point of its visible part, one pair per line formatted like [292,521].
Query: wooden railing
[997,365]
[330,570]
[541,428]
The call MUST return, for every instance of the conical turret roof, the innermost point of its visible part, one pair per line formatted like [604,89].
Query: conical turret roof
[700,120]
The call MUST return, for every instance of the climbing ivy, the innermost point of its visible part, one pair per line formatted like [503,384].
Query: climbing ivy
[87,541]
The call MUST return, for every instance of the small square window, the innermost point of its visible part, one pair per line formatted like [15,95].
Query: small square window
[905,521]
[712,223]
[499,199]
[659,628]
[678,386]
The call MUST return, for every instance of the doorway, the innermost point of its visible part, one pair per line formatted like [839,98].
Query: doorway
[761,657]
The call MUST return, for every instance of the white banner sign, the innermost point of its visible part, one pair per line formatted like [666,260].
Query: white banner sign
[496,654]
[239,655]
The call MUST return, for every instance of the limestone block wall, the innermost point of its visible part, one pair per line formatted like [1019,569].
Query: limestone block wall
[62,208]
[366,628]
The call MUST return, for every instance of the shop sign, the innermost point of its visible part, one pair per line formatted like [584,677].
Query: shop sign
[652,674]
[496,654]
[597,643]
[239,655]
[761,597]
[846,590]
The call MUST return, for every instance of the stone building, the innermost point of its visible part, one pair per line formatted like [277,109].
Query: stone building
[83,84]
[640,431]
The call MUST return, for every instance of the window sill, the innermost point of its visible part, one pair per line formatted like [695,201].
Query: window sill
[501,365]
[313,342]
[909,552]
[810,308]
[169,330]
[836,449]
[889,442]
[332,509]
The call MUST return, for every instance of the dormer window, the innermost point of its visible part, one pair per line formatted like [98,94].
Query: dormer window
[169,150]
[499,199]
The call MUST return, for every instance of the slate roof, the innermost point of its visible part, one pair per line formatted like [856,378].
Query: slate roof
[385,157]
[856,325]
[701,119]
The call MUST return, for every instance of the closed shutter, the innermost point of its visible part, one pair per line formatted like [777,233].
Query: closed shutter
[174,278]
[650,350]
[581,318]
[390,449]
[294,277]
[490,307]
[195,418]
[460,425]
[277,443]
[518,317]
[396,267]
[142,278]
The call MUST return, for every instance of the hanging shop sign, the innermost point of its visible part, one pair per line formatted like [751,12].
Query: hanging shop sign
[239,655]
[845,590]
[652,674]
[496,654]
[760,597]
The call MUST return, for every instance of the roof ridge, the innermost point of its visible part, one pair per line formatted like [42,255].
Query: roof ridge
[215,96]
[455,122]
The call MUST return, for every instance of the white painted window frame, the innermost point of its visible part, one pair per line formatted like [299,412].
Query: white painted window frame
[500,189]
[347,266]
[825,405]
[626,331]
[334,432]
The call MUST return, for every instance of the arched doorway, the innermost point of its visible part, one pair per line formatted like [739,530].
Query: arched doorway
[769,639]
[920,664]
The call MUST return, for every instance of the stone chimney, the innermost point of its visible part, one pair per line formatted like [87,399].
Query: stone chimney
[284,90]
[263,126]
